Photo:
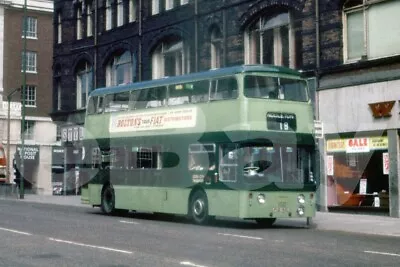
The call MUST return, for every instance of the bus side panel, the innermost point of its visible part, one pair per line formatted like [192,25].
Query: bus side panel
[152,199]
[95,194]
[223,202]
[175,201]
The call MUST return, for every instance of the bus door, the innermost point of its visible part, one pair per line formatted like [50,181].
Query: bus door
[202,163]
[228,167]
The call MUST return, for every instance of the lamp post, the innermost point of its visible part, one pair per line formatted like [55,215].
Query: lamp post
[9,96]
[22,153]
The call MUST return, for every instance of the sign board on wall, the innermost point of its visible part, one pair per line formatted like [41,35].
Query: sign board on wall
[72,133]
[31,152]
[357,145]
[385,159]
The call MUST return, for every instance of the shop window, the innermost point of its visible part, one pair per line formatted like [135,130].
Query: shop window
[357,178]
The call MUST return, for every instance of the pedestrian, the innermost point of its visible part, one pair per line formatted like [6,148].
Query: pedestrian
[17,173]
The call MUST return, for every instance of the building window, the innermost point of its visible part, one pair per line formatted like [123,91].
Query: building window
[84,84]
[216,48]
[270,40]
[89,20]
[29,61]
[59,29]
[108,15]
[79,23]
[30,96]
[363,34]
[120,70]
[120,13]
[28,129]
[31,27]
[132,10]
[155,7]
[169,4]
[170,59]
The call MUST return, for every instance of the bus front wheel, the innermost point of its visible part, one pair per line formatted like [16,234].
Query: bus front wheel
[108,200]
[199,208]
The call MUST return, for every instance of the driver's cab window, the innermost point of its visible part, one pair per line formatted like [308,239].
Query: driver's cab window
[201,157]
[262,162]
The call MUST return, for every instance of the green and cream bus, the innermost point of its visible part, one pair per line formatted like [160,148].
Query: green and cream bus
[233,142]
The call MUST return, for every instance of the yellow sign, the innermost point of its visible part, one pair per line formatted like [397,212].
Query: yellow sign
[369,143]
[378,142]
[336,145]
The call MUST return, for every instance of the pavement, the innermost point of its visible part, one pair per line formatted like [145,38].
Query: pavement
[326,221]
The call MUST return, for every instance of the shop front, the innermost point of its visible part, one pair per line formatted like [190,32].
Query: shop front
[357,172]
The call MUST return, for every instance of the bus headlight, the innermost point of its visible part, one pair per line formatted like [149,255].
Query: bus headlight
[301,199]
[261,198]
[300,211]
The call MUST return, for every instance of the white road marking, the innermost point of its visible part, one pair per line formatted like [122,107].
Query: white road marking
[14,231]
[382,253]
[90,246]
[242,236]
[129,222]
[188,263]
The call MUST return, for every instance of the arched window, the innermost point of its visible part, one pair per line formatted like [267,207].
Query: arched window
[119,70]
[170,59]
[216,47]
[84,83]
[270,40]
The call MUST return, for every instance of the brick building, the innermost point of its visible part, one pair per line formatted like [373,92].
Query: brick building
[39,131]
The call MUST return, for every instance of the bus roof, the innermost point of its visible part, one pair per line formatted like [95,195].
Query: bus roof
[195,76]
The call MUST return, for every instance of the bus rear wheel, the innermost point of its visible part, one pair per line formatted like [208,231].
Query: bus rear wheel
[199,208]
[266,222]
[108,200]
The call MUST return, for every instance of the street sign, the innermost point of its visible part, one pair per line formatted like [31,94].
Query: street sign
[318,129]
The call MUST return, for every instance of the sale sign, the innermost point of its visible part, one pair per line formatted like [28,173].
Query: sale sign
[385,159]
[329,165]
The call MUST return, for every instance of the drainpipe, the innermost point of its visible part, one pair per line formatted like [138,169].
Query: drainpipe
[196,45]
[95,44]
[140,70]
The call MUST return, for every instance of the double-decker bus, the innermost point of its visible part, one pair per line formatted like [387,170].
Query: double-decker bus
[232,142]
[3,165]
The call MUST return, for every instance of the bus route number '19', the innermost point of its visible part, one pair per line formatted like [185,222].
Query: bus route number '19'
[281,121]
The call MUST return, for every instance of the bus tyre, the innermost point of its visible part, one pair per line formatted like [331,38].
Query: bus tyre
[199,208]
[266,222]
[108,200]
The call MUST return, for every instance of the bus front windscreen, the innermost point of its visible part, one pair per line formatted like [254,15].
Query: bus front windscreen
[258,86]
[276,164]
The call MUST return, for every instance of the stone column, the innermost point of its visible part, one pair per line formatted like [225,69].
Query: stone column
[321,177]
[394,170]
